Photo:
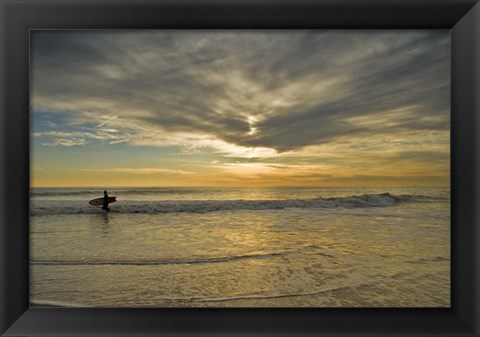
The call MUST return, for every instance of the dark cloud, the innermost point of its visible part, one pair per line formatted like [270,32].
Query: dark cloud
[303,87]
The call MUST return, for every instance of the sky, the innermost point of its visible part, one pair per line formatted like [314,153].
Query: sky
[240,108]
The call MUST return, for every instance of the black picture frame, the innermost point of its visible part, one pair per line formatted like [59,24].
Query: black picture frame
[17,17]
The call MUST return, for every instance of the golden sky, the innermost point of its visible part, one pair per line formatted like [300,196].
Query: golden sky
[240,108]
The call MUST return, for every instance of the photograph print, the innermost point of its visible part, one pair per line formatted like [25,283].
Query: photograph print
[240,168]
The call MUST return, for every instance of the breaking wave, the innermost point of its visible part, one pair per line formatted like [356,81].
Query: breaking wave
[41,207]
[158,262]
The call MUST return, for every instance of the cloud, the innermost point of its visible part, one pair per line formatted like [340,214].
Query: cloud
[309,104]
[281,91]
[139,170]
[109,119]
[50,124]
[67,142]
[82,138]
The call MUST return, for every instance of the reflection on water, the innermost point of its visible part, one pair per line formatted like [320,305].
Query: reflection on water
[99,224]
[315,257]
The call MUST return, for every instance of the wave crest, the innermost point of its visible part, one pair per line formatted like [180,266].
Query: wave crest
[157,262]
[206,206]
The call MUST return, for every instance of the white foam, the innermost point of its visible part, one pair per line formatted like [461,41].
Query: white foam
[51,303]
[41,207]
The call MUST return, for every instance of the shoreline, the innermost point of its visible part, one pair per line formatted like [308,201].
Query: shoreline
[36,305]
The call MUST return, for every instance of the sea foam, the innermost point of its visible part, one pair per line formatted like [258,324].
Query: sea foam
[41,207]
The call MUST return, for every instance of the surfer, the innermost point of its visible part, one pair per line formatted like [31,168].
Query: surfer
[105,201]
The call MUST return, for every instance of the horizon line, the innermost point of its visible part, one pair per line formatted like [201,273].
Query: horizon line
[223,186]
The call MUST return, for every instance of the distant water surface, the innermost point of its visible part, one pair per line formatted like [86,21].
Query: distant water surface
[242,247]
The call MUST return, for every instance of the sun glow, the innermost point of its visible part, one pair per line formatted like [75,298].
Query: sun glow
[240,108]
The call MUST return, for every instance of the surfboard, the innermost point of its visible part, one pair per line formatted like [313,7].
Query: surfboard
[99,201]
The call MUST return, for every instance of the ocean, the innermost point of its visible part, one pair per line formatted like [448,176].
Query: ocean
[241,247]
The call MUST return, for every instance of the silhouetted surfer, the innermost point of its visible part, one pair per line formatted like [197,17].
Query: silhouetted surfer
[105,201]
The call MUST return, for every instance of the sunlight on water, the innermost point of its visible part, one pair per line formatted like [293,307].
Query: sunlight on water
[242,247]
